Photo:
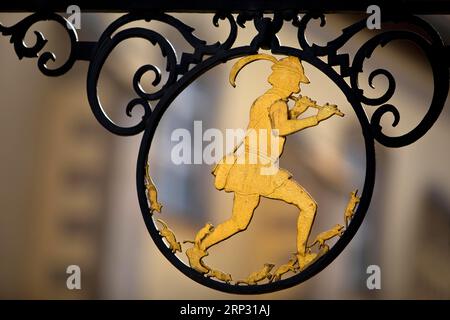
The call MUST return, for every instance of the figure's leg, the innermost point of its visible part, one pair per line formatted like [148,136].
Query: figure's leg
[291,192]
[243,208]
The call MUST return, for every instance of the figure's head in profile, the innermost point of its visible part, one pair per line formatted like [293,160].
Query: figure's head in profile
[287,73]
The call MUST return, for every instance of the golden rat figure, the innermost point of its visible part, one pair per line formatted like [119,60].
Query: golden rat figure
[168,234]
[336,231]
[258,276]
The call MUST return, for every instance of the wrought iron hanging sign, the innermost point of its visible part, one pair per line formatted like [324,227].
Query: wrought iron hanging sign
[250,171]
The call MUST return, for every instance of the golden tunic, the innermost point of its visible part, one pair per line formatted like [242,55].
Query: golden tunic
[254,171]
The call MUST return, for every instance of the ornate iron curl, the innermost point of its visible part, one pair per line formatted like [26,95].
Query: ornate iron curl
[428,40]
[111,38]
[19,31]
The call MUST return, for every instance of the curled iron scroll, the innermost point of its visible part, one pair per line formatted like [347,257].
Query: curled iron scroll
[112,37]
[19,31]
[421,34]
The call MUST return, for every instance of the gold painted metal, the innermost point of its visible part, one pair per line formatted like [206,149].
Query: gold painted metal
[201,234]
[225,277]
[285,268]
[168,234]
[269,111]
[258,276]
[152,192]
[351,207]
[337,230]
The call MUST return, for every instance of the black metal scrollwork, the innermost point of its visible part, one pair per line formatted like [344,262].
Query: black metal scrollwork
[110,39]
[429,42]
[19,31]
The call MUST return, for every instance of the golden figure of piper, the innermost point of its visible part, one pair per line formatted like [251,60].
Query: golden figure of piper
[269,112]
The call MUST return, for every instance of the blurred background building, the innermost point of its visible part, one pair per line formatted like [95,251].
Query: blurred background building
[68,192]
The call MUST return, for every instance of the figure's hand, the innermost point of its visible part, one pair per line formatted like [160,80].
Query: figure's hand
[304,100]
[327,111]
[301,105]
